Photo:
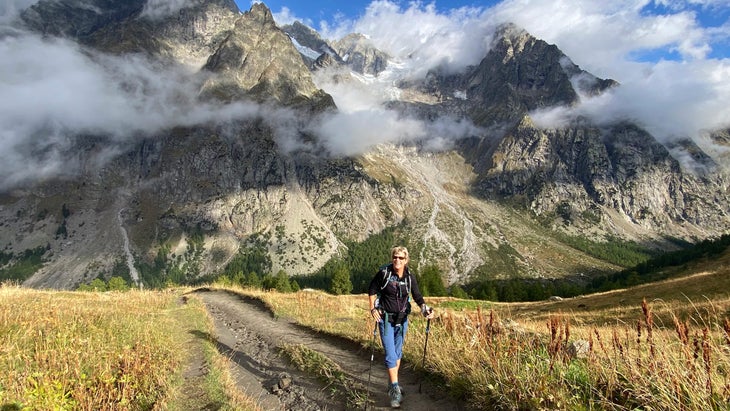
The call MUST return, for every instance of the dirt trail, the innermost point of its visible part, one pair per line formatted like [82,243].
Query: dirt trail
[250,336]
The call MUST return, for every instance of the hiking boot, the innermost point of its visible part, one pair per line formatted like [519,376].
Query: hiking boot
[395,396]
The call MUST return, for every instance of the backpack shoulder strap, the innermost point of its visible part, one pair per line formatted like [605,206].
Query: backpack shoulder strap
[409,280]
[385,273]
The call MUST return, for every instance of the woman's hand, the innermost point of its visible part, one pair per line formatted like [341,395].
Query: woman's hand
[427,311]
[376,314]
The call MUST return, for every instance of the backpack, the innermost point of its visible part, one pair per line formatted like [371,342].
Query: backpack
[386,272]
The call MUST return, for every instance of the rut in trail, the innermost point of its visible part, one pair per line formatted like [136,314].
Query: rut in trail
[249,335]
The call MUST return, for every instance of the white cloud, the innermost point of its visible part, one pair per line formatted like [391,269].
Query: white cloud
[158,9]
[362,121]
[10,9]
[670,99]
[286,16]
[356,132]
[53,91]
[429,39]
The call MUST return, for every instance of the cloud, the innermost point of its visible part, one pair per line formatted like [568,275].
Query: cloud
[286,16]
[10,9]
[356,132]
[158,9]
[672,100]
[362,120]
[54,91]
[429,39]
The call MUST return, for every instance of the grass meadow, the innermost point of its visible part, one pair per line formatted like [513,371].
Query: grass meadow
[664,346]
[106,351]
[636,351]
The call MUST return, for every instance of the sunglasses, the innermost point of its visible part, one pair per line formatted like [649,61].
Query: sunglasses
[398,257]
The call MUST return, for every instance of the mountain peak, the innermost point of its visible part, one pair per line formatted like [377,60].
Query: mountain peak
[521,73]
[258,60]
[260,12]
[512,33]
[361,54]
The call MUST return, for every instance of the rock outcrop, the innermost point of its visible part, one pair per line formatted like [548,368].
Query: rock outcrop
[258,61]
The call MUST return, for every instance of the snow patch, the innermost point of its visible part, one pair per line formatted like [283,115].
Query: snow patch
[305,50]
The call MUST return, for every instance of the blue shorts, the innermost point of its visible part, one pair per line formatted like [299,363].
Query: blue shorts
[392,337]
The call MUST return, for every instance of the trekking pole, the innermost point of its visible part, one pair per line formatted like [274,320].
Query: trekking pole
[423,364]
[372,356]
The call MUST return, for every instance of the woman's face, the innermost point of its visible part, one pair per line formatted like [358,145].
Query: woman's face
[399,260]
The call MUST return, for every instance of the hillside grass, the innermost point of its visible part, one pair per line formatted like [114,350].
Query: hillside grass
[663,346]
[659,346]
[698,288]
[107,351]
[22,266]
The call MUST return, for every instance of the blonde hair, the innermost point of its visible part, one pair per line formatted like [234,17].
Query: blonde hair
[399,249]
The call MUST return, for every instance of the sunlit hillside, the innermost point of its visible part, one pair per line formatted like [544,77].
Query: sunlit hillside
[657,346]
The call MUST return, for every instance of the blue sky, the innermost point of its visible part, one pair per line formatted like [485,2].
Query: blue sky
[701,27]
[316,11]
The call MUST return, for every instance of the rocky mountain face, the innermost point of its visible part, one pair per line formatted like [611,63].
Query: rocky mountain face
[521,73]
[189,36]
[196,195]
[353,52]
[256,60]
[314,50]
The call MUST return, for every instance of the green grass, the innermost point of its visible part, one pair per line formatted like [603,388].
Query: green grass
[460,305]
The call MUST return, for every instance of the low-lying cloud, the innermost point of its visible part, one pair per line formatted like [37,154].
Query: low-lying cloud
[352,133]
[363,121]
[54,91]
[157,9]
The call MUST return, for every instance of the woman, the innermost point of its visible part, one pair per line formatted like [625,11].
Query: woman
[389,305]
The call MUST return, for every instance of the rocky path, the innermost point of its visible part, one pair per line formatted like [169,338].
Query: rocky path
[249,335]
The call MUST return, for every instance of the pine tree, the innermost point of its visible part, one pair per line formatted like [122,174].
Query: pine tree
[282,283]
[430,282]
[341,283]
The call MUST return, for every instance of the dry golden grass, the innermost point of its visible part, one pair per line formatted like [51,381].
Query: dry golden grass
[662,346]
[83,350]
[671,353]
[98,351]
[706,292]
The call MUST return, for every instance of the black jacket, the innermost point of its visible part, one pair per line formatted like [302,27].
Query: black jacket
[393,292]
